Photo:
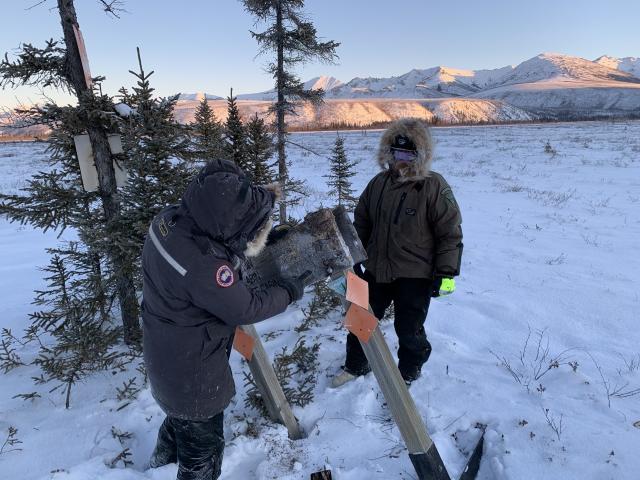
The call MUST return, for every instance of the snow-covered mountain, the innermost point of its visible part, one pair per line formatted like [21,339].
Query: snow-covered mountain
[198,96]
[325,83]
[549,85]
[433,82]
[555,66]
[552,83]
[627,64]
[365,112]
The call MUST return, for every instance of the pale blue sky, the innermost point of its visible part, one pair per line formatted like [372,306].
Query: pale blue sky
[204,45]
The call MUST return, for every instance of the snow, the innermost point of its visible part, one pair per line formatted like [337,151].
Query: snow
[627,64]
[123,109]
[198,97]
[550,242]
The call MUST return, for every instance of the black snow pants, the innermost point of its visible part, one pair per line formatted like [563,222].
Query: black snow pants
[197,447]
[410,297]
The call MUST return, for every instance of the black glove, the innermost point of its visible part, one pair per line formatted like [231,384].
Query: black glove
[294,286]
[277,233]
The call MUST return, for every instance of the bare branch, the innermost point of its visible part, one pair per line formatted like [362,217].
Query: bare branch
[113,7]
[36,5]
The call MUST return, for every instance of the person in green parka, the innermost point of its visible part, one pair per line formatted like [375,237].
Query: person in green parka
[410,224]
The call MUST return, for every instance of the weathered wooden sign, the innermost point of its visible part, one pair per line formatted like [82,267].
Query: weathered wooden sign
[324,245]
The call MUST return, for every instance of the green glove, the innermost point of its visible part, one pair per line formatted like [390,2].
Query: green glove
[443,286]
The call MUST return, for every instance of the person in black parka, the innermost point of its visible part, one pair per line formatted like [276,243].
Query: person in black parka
[193,299]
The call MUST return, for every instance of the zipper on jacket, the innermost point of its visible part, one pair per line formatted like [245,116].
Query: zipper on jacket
[395,218]
[395,221]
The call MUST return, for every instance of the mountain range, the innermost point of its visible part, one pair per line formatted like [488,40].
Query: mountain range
[547,86]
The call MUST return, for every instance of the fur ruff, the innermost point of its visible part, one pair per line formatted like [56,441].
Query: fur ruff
[274,188]
[419,133]
[255,246]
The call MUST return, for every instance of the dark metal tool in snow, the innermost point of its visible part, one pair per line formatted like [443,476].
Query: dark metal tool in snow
[325,242]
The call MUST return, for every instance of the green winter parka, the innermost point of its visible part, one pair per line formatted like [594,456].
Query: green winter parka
[409,221]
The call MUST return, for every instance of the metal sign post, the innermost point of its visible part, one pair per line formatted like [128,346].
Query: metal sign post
[422,451]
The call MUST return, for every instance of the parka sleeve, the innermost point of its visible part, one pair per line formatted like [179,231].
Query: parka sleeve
[361,218]
[446,222]
[218,289]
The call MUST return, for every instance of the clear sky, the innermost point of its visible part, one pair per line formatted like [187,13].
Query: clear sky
[204,45]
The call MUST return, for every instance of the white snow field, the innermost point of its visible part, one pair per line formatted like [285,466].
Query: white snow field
[552,234]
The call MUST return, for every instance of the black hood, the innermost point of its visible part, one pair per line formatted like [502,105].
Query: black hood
[225,206]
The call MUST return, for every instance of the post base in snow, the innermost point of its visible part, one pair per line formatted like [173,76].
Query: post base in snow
[429,465]
[323,475]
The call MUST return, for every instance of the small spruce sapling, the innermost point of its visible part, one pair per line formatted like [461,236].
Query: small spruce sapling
[235,147]
[260,149]
[340,177]
[207,134]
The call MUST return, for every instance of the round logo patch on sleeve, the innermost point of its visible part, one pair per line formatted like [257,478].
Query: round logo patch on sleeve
[224,276]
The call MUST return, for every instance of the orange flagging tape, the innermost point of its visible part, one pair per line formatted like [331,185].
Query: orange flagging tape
[243,343]
[360,322]
[357,290]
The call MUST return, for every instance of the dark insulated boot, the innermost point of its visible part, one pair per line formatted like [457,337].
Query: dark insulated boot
[410,376]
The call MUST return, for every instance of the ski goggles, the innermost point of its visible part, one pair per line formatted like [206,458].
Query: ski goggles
[400,155]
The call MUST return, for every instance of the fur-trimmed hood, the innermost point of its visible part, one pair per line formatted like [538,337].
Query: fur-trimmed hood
[227,208]
[419,133]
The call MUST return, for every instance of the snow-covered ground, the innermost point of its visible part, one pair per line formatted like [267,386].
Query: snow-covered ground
[551,241]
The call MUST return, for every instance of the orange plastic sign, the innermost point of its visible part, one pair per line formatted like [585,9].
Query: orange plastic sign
[357,290]
[361,322]
[243,343]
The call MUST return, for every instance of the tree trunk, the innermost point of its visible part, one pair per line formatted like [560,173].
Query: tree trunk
[106,176]
[280,111]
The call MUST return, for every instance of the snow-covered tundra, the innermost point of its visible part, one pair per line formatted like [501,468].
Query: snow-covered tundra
[539,343]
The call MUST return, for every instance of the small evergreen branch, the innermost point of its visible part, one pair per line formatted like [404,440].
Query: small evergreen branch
[129,390]
[9,359]
[296,372]
[44,67]
[27,396]
[323,302]
[11,441]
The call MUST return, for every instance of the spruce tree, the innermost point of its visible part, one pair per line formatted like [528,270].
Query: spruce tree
[157,157]
[208,134]
[339,179]
[60,65]
[293,40]
[259,151]
[76,311]
[235,147]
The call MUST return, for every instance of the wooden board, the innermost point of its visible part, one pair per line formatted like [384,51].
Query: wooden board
[316,245]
